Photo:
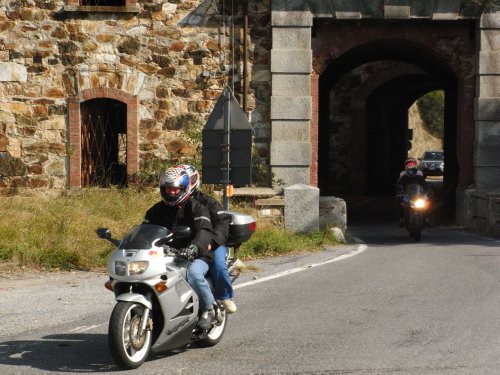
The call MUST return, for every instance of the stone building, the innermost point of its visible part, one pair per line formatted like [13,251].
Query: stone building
[90,91]
[327,85]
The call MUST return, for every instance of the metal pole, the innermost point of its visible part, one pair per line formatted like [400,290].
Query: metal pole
[226,148]
[245,57]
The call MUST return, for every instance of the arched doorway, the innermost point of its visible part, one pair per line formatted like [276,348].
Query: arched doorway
[365,93]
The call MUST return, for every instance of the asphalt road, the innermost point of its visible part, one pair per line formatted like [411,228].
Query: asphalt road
[392,307]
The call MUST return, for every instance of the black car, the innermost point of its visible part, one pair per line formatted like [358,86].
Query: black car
[432,163]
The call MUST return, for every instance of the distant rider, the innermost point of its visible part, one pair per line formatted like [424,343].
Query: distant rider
[410,175]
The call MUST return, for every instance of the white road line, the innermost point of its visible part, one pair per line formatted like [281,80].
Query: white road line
[86,328]
[359,250]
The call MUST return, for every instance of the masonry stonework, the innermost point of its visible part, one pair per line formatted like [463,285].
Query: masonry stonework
[166,61]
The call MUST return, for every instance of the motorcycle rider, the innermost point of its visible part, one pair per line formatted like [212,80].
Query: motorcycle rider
[223,288]
[178,207]
[410,175]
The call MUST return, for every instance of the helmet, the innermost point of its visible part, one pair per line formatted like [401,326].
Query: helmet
[194,177]
[411,166]
[410,162]
[175,186]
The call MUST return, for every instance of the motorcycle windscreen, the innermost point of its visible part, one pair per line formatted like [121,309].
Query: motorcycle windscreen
[414,190]
[144,236]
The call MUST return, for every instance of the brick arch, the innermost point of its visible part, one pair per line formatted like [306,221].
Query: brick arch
[75,130]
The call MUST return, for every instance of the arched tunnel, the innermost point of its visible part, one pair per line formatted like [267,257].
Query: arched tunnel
[364,98]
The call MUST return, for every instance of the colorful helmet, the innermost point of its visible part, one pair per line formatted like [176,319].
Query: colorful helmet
[175,186]
[194,177]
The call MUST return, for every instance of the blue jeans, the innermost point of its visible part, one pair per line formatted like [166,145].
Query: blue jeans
[196,278]
[223,289]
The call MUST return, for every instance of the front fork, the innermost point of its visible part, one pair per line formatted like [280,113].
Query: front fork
[145,322]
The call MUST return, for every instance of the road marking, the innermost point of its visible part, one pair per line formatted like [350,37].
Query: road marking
[86,328]
[359,250]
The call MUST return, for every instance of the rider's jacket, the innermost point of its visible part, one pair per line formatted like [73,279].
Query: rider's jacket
[220,220]
[405,180]
[193,214]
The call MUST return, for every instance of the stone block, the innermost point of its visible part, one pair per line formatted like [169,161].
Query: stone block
[490,40]
[291,38]
[291,17]
[487,179]
[291,85]
[332,212]
[291,108]
[488,85]
[290,153]
[488,131]
[489,62]
[12,72]
[490,20]
[487,109]
[487,154]
[291,130]
[284,176]
[291,61]
[301,208]
[397,11]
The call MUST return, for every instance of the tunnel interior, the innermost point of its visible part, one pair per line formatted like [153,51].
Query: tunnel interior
[364,98]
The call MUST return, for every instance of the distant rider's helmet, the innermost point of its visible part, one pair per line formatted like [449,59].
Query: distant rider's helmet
[194,177]
[175,186]
[411,167]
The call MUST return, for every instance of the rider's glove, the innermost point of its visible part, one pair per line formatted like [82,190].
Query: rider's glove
[188,253]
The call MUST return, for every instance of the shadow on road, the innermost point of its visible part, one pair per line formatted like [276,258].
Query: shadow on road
[63,353]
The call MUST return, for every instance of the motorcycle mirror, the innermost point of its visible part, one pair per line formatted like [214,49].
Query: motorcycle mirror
[181,232]
[163,241]
[104,233]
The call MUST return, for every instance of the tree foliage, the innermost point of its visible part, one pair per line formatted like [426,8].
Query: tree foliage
[431,108]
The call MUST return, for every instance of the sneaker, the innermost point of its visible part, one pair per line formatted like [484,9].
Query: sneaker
[206,319]
[229,306]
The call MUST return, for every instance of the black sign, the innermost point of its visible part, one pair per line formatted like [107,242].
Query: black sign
[227,144]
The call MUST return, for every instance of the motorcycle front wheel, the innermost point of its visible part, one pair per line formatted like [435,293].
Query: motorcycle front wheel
[128,349]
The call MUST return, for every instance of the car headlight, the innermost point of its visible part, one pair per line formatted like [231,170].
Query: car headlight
[137,268]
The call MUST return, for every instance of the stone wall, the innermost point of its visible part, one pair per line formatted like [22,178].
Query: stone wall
[174,56]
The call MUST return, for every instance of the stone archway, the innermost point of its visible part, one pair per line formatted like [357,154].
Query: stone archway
[75,130]
[296,66]
[377,117]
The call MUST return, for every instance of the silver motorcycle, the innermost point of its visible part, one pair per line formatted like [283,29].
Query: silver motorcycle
[156,309]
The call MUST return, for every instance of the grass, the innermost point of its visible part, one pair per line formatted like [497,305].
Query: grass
[58,233]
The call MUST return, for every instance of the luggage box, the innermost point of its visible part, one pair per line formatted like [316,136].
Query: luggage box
[241,228]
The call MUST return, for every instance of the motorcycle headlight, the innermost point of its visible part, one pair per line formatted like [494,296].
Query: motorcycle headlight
[419,203]
[121,268]
[137,268]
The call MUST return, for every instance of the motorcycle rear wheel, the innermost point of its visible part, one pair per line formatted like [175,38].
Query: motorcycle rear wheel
[128,350]
[215,334]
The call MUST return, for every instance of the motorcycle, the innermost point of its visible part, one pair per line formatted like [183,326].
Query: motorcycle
[156,308]
[415,204]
